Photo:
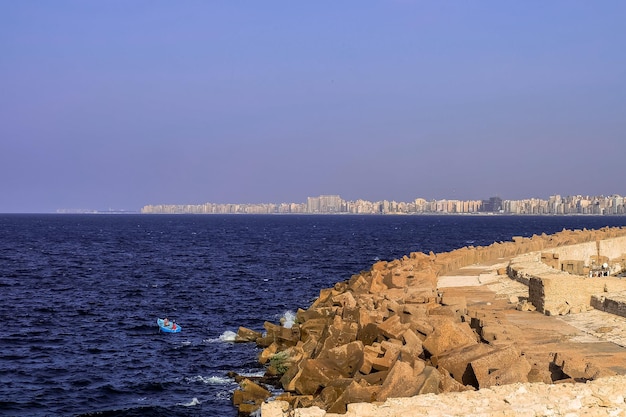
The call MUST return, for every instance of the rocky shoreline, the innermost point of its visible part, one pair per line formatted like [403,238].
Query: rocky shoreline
[602,397]
[392,332]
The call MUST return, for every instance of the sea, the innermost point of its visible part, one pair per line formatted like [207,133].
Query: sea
[80,296]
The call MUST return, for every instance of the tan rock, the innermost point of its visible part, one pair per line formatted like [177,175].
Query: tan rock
[449,335]
[412,348]
[314,328]
[247,335]
[359,284]
[449,384]
[250,397]
[346,358]
[339,333]
[268,352]
[275,408]
[396,279]
[457,362]
[352,314]
[355,393]
[513,373]
[315,374]
[498,359]
[345,299]
[374,378]
[370,355]
[282,335]
[420,325]
[393,327]
[429,381]
[322,300]
[377,286]
[400,382]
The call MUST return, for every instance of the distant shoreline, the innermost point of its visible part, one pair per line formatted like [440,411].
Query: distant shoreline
[329,214]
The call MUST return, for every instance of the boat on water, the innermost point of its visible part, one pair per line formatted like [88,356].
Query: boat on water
[169,327]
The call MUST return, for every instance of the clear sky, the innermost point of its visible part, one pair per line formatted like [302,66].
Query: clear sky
[119,104]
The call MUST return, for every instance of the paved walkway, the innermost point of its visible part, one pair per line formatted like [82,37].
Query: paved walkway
[598,336]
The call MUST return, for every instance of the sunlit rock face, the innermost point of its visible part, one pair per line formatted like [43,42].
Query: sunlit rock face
[392,332]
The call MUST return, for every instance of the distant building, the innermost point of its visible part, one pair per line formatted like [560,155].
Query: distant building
[334,204]
[325,204]
[493,205]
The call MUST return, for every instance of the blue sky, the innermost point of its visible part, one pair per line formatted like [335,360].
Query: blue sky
[118,104]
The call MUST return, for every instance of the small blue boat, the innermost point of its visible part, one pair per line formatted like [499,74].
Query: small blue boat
[171,327]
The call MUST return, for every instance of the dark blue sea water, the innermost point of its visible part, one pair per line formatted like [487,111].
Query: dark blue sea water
[80,294]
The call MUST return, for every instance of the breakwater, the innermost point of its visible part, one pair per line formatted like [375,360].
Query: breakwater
[390,332]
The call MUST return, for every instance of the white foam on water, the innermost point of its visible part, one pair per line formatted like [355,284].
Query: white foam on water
[191,403]
[210,380]
[255,374]
[288,319]
[224,395]
[227,336]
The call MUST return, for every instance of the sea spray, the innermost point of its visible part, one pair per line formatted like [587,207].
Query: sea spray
[288,319]
[228,336]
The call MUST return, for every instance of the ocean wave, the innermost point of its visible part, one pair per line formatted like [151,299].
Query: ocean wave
[210,380]
[191,403]
[227,336]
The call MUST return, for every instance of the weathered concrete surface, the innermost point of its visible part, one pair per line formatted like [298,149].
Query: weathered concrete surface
[540,337]
[602,397]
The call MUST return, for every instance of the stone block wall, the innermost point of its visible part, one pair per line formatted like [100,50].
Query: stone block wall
[563,294]
[613,248]
[554,291]
[610,303]
[582,252]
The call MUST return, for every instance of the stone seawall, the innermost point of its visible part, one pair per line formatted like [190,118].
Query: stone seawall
[389,332]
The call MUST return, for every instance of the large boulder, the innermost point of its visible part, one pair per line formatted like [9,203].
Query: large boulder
[393,327]
[405,380]
[499,359]
[449,335]
[247,335]
[356,392]
[457,362]
[314,375]
[250,397]
[339,333]
[412,349]
[346,358]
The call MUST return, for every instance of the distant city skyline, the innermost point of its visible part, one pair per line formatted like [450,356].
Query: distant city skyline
[116,104]
[334,204]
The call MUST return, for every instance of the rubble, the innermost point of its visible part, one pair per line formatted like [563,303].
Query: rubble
[390,333]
